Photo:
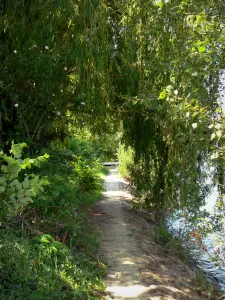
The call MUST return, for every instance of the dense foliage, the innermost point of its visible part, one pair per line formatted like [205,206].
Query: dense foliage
[94,69]
[47,247]
[178,55]
[49,64]
[154,64]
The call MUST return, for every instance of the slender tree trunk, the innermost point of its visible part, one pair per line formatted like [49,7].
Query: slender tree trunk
[158,189]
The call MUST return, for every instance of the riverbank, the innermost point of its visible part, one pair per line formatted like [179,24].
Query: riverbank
[138,267]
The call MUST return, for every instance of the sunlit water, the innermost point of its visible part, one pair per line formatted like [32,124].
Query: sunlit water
[205,259]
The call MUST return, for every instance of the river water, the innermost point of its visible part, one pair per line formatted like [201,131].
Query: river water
[213,264]
[211,261]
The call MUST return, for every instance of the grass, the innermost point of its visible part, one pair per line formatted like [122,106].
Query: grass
[44,268]
[50,257]
[175,246]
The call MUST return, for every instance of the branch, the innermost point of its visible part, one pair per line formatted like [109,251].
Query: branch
[26,128]
[33,135]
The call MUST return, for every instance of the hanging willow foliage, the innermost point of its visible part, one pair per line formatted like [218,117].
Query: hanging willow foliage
[50,63]
[170,56]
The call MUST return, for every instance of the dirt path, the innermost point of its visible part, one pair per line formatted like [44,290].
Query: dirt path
[137,267]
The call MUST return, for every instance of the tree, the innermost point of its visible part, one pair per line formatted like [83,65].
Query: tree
[49,65]
[155,65]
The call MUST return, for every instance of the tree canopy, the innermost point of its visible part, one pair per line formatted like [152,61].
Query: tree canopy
[153,67]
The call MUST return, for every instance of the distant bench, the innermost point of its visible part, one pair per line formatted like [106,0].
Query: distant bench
[110,163]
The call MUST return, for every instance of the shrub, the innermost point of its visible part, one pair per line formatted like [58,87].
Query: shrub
[75,176]
[125,157]
[17,188]
[48,250]
[171,243]
[43,268]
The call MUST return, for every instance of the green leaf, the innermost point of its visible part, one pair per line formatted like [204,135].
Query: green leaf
[215,155]
[219,110]
[19,186]
[26,200]
[44,181]
[12,197]
[14,183]
[9,159]
[219,133]
[2,180]
[16,149]
[31,193]
[195,74]
[169,88]
[13,169]
[159,3]
[172,79]
[26,165]
[21,193]
[213,135]
[201,49]
[34,180]
[2,189]
[26,183]
[46,238]
[162,95]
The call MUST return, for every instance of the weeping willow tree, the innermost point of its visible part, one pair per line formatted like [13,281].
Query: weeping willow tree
[168,59]
[152,65]
[54,58]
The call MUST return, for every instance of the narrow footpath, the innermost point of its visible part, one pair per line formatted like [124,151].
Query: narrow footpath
[137,267]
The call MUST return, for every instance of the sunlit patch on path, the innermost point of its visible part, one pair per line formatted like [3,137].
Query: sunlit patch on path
[127,292]
[123,278]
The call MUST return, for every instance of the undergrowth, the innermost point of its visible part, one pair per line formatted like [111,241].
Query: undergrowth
[125,157]
[171,243]
[174,246]
[48,249]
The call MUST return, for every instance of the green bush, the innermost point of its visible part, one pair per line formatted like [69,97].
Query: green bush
[48,250]
[75,177]
[17,187]
[162,236]
[172,243]
[125,157]
[43,268]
